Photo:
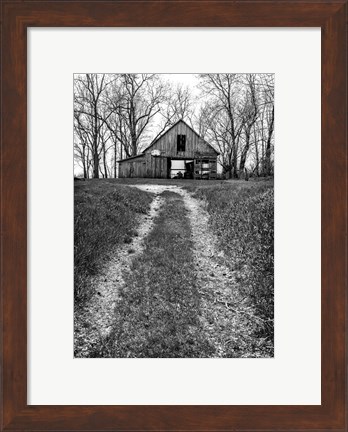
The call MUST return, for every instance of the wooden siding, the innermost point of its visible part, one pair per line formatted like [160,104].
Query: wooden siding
[167,144]
[205,168]
[132,168]
[147,166]
[156,167]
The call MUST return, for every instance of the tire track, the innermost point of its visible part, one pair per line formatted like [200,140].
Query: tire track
[92,322]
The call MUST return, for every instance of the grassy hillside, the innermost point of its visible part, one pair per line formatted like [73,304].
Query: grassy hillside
[158,313]
[242,216]
[105,215]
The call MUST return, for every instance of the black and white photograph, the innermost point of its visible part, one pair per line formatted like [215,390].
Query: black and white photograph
[173,215]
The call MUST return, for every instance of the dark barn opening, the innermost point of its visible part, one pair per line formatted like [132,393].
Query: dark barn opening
[181,143]
[181,168]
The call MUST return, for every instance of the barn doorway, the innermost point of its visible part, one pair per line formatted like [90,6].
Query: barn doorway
[189,169]
[169,167]
[180,168]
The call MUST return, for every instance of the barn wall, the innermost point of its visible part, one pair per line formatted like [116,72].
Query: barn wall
[167,144]
[205,168]
[156,167]
[132,168]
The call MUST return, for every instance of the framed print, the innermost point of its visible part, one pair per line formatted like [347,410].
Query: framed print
[154,352]
[65,365]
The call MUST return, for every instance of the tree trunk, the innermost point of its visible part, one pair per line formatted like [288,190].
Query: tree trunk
[244,152]
[234,168]
[134,146]
[84,169]
[84,162]
[88,162]
[115,159]
[256,153]
[268,170]
[95,158]
[228,172]
[132,127]
[95,145]
[104,161]
[95,164]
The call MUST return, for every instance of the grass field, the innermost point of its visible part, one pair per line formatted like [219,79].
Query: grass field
[242,216]
[158,314]
[104,216]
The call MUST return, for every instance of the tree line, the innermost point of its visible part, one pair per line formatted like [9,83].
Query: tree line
[117,115]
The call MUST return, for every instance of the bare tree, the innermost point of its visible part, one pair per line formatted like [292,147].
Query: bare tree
[114,100]
[238,118]
[88,113]
[224,91]
[177,104]
[262,147]
[81,145]
[142,98]
[268,90]
[249,114]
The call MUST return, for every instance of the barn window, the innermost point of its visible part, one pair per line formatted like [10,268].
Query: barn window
[181,141]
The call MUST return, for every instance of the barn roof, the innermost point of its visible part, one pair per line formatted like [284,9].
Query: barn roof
[170,128]
[154,141]
[131,157]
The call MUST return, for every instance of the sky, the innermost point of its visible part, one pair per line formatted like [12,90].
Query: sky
[190,80]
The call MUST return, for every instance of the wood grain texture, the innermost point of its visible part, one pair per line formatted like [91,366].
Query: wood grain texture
[16,17]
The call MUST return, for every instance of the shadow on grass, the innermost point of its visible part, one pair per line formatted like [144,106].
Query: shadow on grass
[105,215]
[158,313]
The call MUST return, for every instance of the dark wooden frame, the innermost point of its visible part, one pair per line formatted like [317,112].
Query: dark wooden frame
[17,16]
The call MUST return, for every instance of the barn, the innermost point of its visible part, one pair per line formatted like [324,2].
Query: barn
[178,153]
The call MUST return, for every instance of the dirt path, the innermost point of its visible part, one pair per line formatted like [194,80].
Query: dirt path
[93,322]
[209,258]
[224,318]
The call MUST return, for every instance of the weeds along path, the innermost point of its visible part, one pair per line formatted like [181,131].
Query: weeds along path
[93,321]
[229,324]
[178,298]
[159,310]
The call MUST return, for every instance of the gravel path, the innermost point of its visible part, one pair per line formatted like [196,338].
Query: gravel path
[225,319]
[93,321]
[210,260]
[222,308]
[223,312]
